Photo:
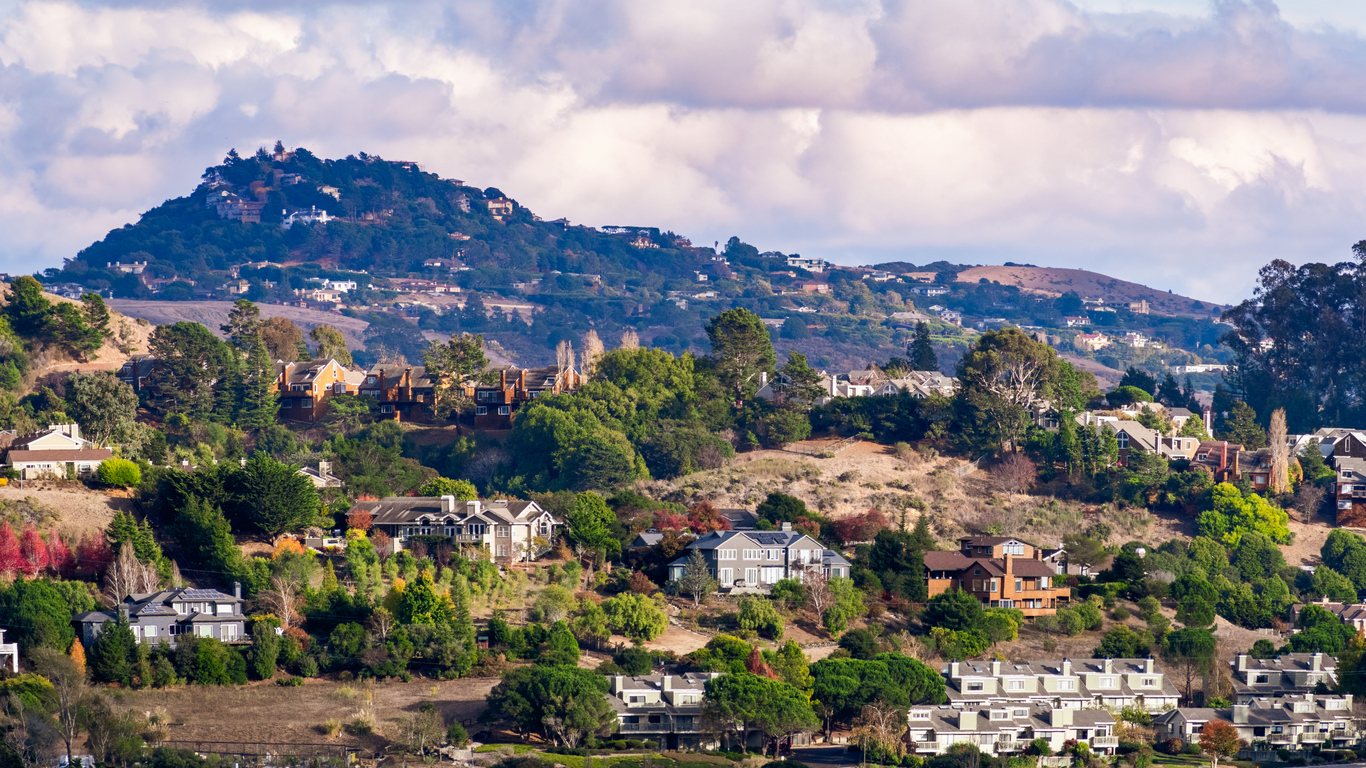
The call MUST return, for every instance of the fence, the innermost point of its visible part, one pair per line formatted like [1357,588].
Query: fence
[337,754]
[970,467]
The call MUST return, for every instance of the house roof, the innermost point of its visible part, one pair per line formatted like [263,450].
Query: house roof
[88,454]
[647,539]
[395,510]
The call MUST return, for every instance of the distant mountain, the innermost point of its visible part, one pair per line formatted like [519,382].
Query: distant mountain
[1055,281]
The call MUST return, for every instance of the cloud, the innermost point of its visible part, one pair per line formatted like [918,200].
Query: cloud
[1182,151]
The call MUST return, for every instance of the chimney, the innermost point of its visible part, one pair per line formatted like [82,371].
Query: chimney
[447,505]
[237,589]
[953,670]
[1208,415]
[967,721]
[995,667]
[1148,665]
[1066,667]
[1007,583]
[763,379]
[1108,666]
[1060,716]
[787,526]
[668,684]
[1318,662]
[618,682]
[1240,712]
[324,469]
[1242,662]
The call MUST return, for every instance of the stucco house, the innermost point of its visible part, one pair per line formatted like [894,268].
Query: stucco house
[1090,683]
[1294,722]
[1008,729]
[55,451]
[760,559]
[163,616]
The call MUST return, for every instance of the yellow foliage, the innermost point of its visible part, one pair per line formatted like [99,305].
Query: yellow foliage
[284,546]
[353,534]
[78,654]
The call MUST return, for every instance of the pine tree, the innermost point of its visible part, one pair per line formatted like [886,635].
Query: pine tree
[461,624]
[111,657]
[330,583]
[921,353]
[259,405]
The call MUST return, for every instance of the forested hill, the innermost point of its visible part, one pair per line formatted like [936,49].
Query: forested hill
[394,217]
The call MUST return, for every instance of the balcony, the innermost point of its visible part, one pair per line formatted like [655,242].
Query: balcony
[467,538]
[925,746]
[1103,742]
[1313,737]
[1011,745]
[644,727]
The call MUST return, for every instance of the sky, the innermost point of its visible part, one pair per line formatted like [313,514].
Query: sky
[1176,143]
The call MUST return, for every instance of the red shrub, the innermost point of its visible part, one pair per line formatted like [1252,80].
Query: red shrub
[360,519]
[33,551]
[93,554]
[59,558]
[665,521]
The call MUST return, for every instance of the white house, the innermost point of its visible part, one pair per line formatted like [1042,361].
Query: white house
[509,530]
[55,452]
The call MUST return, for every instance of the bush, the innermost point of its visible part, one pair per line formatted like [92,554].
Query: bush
[1191,749]
[332,727]
[119,472]
[1120,614]
[290,682]
[456,735]
[308,667]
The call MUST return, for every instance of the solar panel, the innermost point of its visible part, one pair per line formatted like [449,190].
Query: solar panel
[206,593]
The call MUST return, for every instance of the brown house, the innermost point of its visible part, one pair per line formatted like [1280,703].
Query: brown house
[999,571]
[1219,458]
[495,404]
[304,388]
[404,392]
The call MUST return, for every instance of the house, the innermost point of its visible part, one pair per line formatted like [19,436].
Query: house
[950,316]
[136,268]
[1291,673]
[404,391]
[495,404]
[1255,466]
[58,451]
[1350,613]
[1073,322]
[345,286]
[1292,722]
[1091,341]
[919,385]
[321,477]
[501,207]
[304,388]
[238,287]
[1000,571]
[1350,494]
[811,286]
[643,241]
[1111,684]
[1135,339]
[508,530]
[1219,458]
[740,519]
[930,290]
[306,217]
[645,539]
[137,371]
[759,559]
[161,617]
[1008,729]
[1199,368]
[810,265]
[663,708]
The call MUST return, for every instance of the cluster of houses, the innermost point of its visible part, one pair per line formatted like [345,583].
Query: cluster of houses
[867,383]
[1345,451]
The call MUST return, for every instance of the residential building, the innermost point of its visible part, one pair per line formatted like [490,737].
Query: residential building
[1000,571]
[930,290]
[495,404]
[1091,341]
[811,286]
[1350,613]
[1291,673]
[136,268]
[306,217]
[1292,722]
[9,651]
[1199,368]
[161,617]
[58,451]
[662,708]
[1350,493]
[137,371]
[756,560]
[501,207]
[404,392]
[1073,322]
[643,241]
[509,530]
[950,316]
[1008,729]
[921,277]
[1135,339]
[1090,684]
[810,265]
[321,477]
[304,388]
[920,384]
[1219,458]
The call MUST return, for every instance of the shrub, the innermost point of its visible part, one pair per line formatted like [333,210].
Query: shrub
[456,735]
[361,726]
[1120,613]
[1191,749]
[332,727]
[308,667]
[119,472]
[1173,746]
[290,682]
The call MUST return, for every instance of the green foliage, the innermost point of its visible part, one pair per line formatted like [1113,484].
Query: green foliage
[954,610]
[751,702]
[591,523]
[1127,395]
[562,704]
[999,380]
[1234,513]
[119,472]
[740,352]
[421,604]
[37,614]
[758,614]
[958,645]
[1123,643]
[636,616]
[104,406]
[847,685]
[462,490]
[458,362]
[112,655]
[272,497]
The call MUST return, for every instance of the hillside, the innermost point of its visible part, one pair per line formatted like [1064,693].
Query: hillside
[214,314]
[1054,281]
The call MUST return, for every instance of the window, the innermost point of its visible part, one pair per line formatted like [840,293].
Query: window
[504,531]
[296,387]
[286,404]
[1022,713]
[370,379]
[1067,685]
[726,554]
[1044,582]
[1019,585]
[203,630]
[386,409]
[974,686]
[976,571]
[635,699]
[481,410]
[976,585]
[339,388]
[726,576]
[229,633]
[224,609]
[307,403]
[995,585]
[773,554]
[1344,504]
[1343,489]
[1013,548]
[1261,679]
[504,410]
[1148,682]
[502,550]
[920,714]
[751,554]
[1123,440]
[1015,685]
[1107,682]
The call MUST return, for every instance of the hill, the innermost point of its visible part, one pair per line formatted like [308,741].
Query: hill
[214,314]
[1054,282]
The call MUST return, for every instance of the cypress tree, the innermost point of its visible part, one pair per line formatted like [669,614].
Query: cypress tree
[922,354]
[112,655]
[258,406]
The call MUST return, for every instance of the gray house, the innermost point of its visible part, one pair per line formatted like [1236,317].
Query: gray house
[760,559]
[163,616]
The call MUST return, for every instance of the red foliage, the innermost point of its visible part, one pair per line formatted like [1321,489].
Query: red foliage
[300,635]
[360,519]
[864,527]
[94,554]
[756,665]
[641,584]
[383,543]
[59,557]
[666,521]
[11,559]
[33,550]
[808,526]
[704,518]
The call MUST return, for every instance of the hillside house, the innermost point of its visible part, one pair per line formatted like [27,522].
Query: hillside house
[1289,674]
[1350,490]
[322,476]
[137,371]
[999,571]
[501,207]
[757,560]
[1090,684]
[810,265]
[1091,341]
[135,268]
[304,388]
[161,617]
[58,451]
[1297,722]
[1008,730]
[1350,613]
[495,404]
[510,531]
[404,392]
[1073,322]
[1219,458]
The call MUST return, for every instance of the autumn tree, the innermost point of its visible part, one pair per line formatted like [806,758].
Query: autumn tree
[283,339]
[1219,739]
[331,345]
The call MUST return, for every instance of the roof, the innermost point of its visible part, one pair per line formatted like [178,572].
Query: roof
[831,557]
[740,519]
[647,539]
[87,454]
[946,718]
[395,510]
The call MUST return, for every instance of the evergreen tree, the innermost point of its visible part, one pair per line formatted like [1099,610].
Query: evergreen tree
[740,350]
[96,314]
[461,624]
[265,649]
[259,406]
[921,353]
[1243,429]
[244,322]
[112,655]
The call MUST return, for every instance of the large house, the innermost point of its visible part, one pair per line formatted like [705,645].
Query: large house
[1299,721]
[495,403]
[1092,683]
[163,616]
[663,708]
[1292,673]
[1000,571]
[404,392]
[58,451]
[1350,613]
[509,530]
[1008,729]
[304,388]
[760,559]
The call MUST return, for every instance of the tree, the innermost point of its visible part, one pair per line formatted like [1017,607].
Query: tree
[1242,427]
[119,472]
[38,614]
[189,362]
[1192,650]
[258,405]
[921,352]
[801,385]
[1127,395]
[265,649]
[1234,513]
[112,655]
[758,613]
[282,339]
[999,380]
[749,702]
[70,691]
[955,610]
[273,497]
[636,616]
[29,312]
[462,490]
[697,581]
[592,352]
[244,320]
[331,345]
[1279,481]
[104,406]
[591,523]
[1121,642]
[457,363]
[1139,379]
[1219,739]
[563,704]
[741,351]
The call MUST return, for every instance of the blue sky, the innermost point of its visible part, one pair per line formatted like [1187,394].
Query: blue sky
[1179,144]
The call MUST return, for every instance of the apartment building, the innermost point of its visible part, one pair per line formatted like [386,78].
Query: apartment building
[1065,684]
[1293,673]
[668,709]
[757,560]
[1008,729]
[1001,572]
[1298,721]
[508,530]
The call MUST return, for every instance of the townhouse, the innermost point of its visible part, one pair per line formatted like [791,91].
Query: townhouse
[1008,729]
[303,389]
[510,531]
[667,709]
[1000,571]
[1292,673]
[404,392]
[1349,613]
[1303,721]
[756,560]
[1090,684]
[496,402]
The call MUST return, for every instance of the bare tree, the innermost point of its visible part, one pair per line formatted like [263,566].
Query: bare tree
[882,725]
[28,735]
[69,688]
[630,340]
[592,350]
[1280,453]
[128,575]
[1015,473]
[282,599]
[177,581]
[564,355]
[381,623]
[817,590]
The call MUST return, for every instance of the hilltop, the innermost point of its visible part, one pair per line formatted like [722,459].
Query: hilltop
[1055,281]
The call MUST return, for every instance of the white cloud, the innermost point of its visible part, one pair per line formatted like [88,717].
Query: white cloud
[1180,149]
